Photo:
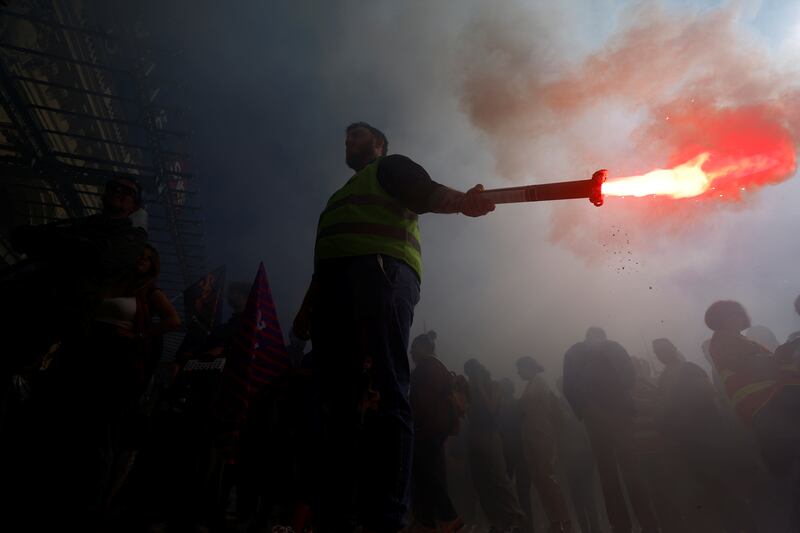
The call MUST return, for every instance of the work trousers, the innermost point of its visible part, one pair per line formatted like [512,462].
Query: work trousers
[362,315]
[431,499]
[611,436]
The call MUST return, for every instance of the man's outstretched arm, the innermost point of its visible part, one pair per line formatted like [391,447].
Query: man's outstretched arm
[472,203]
[412,186]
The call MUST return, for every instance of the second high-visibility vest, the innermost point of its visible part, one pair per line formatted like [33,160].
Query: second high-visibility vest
[361,218]
[751,389]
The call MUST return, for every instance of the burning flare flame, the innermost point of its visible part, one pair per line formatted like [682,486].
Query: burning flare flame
[683,181]
[686,180]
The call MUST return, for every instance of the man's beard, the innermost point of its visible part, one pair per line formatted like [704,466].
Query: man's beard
[358,160]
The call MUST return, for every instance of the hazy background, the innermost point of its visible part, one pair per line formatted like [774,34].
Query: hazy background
[499,93]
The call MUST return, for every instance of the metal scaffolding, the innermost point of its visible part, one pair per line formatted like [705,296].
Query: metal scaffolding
[79,105]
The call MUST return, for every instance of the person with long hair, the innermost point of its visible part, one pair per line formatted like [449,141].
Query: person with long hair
[100,384]
[129,342]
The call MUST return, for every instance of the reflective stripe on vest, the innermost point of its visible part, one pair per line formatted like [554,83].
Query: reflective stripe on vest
[362,219]
[373,199]
[749,396]
[370,229]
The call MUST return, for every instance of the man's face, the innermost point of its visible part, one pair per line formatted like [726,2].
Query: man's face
[120,198]
[361,147]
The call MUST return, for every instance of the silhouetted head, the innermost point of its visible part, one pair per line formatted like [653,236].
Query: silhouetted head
[146,271]
[797,305]
[528,367]
[122,196]
[423,345]
[475,370]
[238,292]
[727,315]
[595,334]
[666,352]
[763,336]
[363,144]
[149,263]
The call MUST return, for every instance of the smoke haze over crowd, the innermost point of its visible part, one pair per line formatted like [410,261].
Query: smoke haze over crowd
[507,94]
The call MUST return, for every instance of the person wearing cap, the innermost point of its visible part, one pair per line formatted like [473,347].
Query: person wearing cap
[539,410]
[358,313]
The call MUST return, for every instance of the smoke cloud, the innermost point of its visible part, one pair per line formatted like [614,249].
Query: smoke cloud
[667,85]
[502,93]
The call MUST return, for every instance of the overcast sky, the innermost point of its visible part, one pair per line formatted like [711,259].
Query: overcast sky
[466,89]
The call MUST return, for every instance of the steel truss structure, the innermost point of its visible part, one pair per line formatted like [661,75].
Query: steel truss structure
[79,105]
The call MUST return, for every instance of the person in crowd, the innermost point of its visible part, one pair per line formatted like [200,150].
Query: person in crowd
[94,389]
[655,454]
[764,391]
[509,422]
[220,339]
[70,266]
[539,411]
[485,449]
[50,300]
[791,348]
[203,344]
[691,420]
[435,420]
[577,460]
[358,313]
[598,383]
[139,339]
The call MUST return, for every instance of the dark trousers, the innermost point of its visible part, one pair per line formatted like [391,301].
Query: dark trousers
[611,436]
[362,315]
[431,499]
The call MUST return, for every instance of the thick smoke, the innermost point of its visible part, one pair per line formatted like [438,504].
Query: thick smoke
[664,87]
[461,87]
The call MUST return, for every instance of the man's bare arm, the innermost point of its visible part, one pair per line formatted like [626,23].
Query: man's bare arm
[472,203]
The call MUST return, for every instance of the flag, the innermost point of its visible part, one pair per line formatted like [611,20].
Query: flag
[257,357]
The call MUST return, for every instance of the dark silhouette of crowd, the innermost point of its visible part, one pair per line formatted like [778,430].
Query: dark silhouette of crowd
[365,429]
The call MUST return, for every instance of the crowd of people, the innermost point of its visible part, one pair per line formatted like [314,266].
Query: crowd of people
[97,433]
[620,442]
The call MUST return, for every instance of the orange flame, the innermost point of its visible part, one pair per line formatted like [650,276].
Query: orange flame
[686,180]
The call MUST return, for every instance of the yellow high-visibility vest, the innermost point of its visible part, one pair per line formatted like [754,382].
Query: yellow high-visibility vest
[363,219]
